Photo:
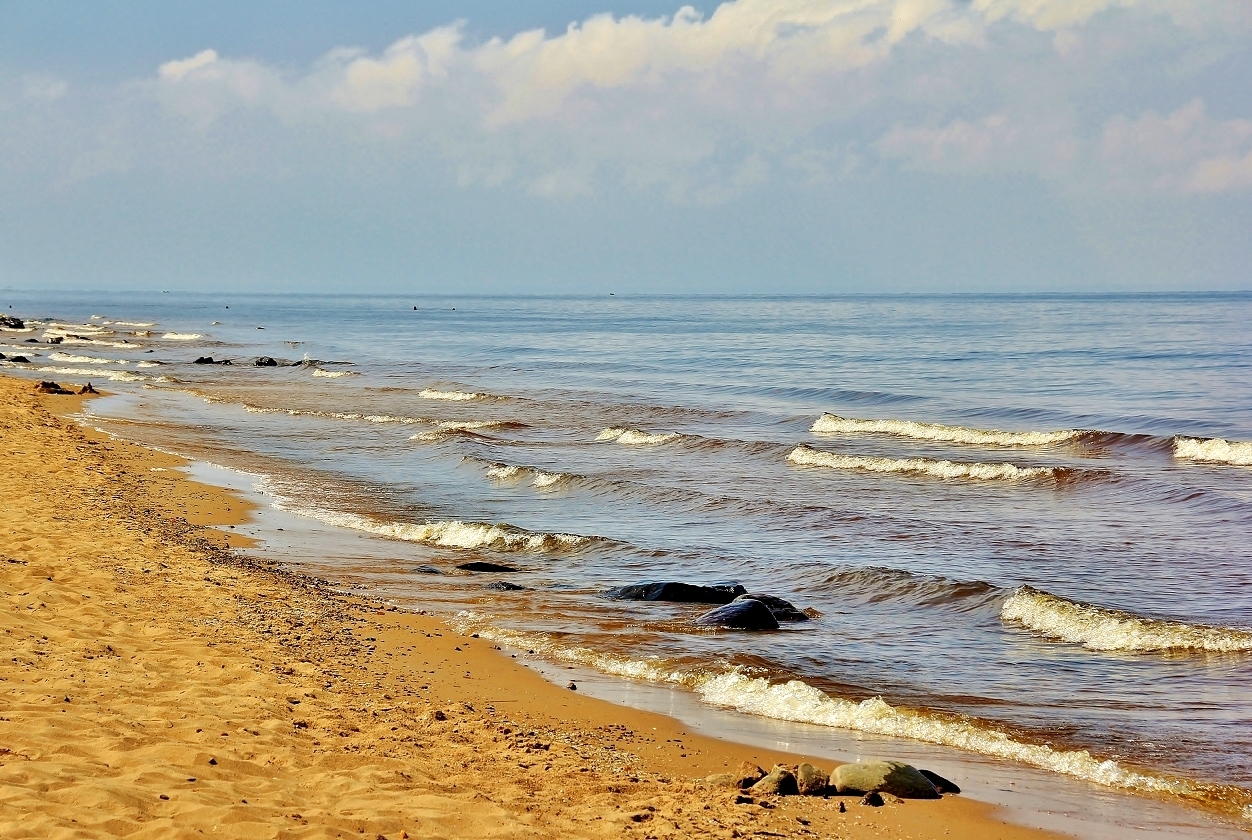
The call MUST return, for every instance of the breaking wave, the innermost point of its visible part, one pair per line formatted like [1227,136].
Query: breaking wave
[333,374]
[96,342]
[1215,450]
[804,456]
[449,534]
[98,373]
[454,396]
[833,424]
[878,584]
[538,478]
[173,336]
[1099,628]
[85,360]
[635,437]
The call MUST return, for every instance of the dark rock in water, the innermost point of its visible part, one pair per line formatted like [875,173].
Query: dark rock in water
[266,361]
[32,341]
[782,610]
[87,389]
[9,322]
[505,586]
[481,566]
[428,570]
[50,388]
[810,780]
[21,359]
[941,784]
[894,777]
[779,782]
[2,356]
[56,340]
[685,593]
[204,360]
[740,614]
[873,799]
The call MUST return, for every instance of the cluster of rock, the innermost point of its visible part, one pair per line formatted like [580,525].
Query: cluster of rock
[871,780]
[49,387]
[480,566]
[739,610]
[9,322]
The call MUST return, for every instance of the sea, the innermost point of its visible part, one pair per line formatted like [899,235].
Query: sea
[1019,526]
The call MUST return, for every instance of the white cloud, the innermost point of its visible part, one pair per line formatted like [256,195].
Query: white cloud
[178,70]
[1185,151]
[43,88]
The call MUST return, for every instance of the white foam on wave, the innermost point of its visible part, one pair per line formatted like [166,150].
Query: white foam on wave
[834,424]
[802,703]
[96,342]
[336,415]
[1098,628]
[85,360]
[98,373]
[333,374]
[1215,450]
[173,336]
[454,396]
[139,324]
[635,437]
[804,456]
[538,478]
[149,364]
[448,534]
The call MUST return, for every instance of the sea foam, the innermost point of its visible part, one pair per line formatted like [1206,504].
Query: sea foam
[635,437]
[1098,628]
[1215,450]
[333,374]
[173,336]
[538,478]
[98,373]
[833,424]
[85,360]
[450,534]
[454,396]
[805,456]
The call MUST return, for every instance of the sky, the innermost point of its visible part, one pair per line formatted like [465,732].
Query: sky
[588,146]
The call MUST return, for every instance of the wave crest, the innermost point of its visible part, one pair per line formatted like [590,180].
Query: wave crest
[451,534]
[173,336]
[454,396]
[804,456]
[538,478]
[1215,450]
[834,424]
[1099,628]
[333,374]
[635,437]
[98,373]
[84,360]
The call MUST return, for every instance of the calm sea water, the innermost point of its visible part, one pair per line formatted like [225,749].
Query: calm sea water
[1023,523]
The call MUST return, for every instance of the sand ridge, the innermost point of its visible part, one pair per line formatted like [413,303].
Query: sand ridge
[155,683]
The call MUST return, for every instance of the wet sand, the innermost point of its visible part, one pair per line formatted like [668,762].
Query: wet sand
[157,684]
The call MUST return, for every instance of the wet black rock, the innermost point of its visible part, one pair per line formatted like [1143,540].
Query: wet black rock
[941,784]
[87,389]
[56,339]
[51,388]
[204,360]
[686,593]
[505,586]
[740,614]
[12,323]
[32,341]
[266,361]
[482,566]
[428,570]
[782,610]
[2,356]
[21,359]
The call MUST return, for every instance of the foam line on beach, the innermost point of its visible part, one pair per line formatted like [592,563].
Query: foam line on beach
[333,374]
[97,373]
[448,534]
[635,437]
[800,702]
[1103,629]
[1213,450]
[834,424]
[85,360]
[807,457]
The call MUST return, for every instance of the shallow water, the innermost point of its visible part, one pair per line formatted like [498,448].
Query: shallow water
[1023,520]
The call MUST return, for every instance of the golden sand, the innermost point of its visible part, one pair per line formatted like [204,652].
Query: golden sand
[154,683]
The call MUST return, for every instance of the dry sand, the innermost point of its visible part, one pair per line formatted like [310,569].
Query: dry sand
[155,684]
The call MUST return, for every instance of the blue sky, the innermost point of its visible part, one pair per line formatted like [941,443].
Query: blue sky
[802,146]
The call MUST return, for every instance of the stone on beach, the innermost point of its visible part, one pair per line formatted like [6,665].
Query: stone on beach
[783,610]
[810,780]
[686,593]
[894,777]
[21,359]
[941,784]
[50,388]
[779,782]
[740,614]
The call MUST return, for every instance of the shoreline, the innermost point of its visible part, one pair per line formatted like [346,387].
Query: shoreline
[326,712]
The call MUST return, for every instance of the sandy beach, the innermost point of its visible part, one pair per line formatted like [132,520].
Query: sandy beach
[156,684]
